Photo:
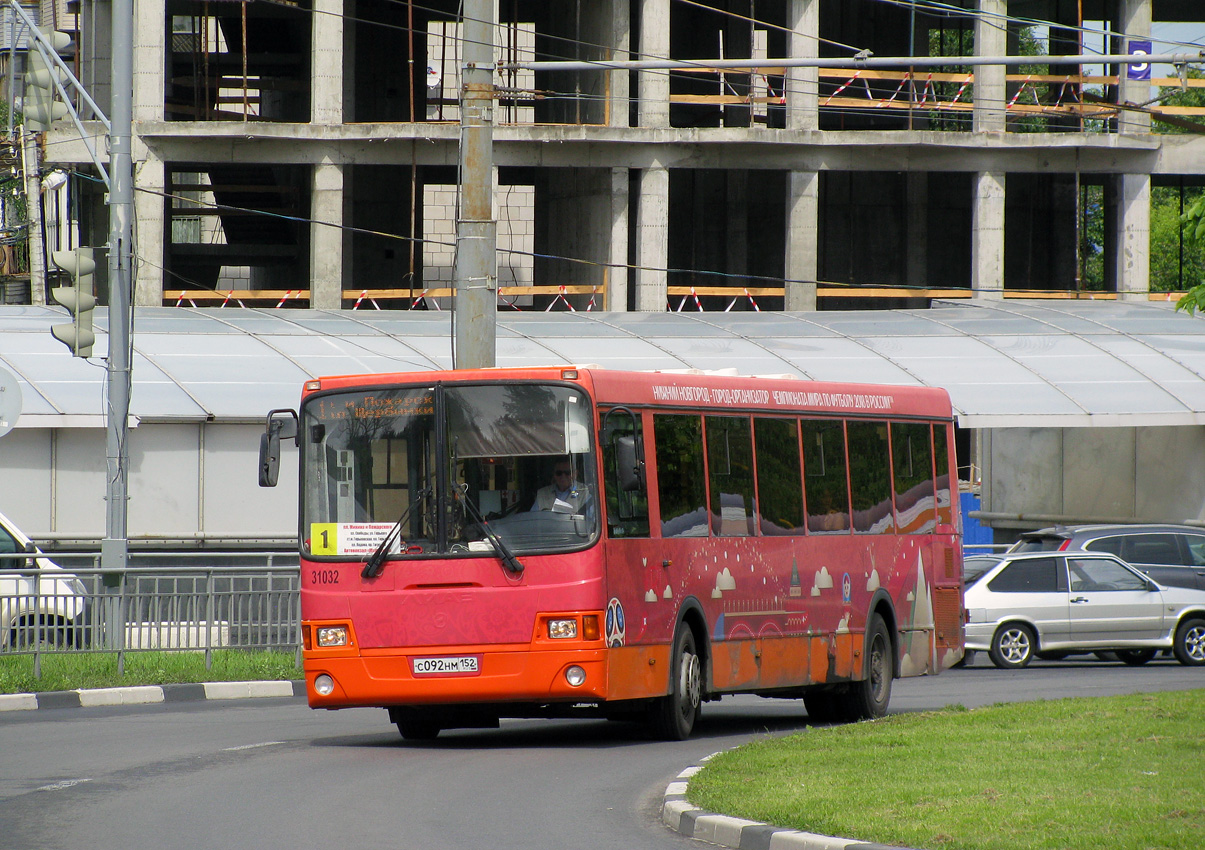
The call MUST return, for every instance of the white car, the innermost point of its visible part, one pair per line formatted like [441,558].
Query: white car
[53,612]
[1049,604]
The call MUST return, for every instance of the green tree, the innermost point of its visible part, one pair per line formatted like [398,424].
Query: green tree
[1193,224]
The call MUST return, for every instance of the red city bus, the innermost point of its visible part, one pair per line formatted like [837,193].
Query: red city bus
[543,542]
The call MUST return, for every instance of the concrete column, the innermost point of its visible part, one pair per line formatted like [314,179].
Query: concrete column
[1132,233]
[991,39]
[654,44]
[326,237]
[619,90]
[652,240]
[149,211]
[149,70]
[1132,236]
[326,83]
[802,85]
[617,271]
[803,244]
[987,235]
[149,62]
[1134,20]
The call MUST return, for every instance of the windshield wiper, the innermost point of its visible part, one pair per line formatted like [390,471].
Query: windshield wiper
[508,557]
[376,561]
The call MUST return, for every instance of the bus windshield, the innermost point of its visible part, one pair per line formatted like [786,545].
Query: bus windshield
[443,460]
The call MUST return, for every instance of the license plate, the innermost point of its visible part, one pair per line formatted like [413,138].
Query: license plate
[446,665]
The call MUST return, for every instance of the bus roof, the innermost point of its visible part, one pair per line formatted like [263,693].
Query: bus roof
[696,389]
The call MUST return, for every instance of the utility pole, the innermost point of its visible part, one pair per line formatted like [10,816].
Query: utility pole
[475,269]
[114,552]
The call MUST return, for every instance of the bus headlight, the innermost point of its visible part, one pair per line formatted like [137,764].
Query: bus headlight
[324,685]
[575,676]
[333,636]
[563,629]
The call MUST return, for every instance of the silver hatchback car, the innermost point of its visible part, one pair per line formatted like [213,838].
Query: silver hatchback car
[1055,603]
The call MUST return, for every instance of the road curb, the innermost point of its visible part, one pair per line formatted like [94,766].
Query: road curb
[679,815]
[149,694]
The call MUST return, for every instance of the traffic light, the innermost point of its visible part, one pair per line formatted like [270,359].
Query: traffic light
[77,298]
[41,106]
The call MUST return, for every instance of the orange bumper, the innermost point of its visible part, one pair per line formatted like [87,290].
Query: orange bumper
[505,674]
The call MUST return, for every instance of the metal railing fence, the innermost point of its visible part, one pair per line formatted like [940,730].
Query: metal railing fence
[173,607]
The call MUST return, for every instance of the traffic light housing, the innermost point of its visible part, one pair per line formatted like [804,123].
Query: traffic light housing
[77,298]
[41,106]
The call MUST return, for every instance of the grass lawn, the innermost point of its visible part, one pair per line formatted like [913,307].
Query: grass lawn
[68,671]
[1105,773]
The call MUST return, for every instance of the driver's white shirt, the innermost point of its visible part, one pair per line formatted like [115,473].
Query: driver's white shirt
[575,496]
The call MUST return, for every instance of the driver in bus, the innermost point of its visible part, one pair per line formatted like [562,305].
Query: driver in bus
[565,494]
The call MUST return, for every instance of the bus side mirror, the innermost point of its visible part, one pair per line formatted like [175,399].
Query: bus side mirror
[628,465]
[278,427]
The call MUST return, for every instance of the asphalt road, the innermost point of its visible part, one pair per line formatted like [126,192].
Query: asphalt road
[269,774]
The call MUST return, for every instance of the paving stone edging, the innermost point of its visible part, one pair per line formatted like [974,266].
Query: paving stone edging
[147,694]
[679,815]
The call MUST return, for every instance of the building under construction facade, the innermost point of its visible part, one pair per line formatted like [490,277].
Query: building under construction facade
[305,152]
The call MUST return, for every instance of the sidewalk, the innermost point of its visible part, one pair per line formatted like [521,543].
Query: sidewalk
[147,694]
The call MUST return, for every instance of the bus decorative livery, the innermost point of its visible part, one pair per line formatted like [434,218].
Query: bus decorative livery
[544,542]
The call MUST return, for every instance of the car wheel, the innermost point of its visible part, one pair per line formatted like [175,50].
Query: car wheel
[673,716]
[1189,645]
[1013,646]
[1135,657]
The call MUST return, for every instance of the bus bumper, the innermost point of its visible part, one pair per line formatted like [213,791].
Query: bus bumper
[503,675]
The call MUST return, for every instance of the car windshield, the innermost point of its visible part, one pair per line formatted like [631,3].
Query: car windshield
[445,460]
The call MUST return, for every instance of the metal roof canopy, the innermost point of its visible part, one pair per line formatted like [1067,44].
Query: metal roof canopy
[1005,363]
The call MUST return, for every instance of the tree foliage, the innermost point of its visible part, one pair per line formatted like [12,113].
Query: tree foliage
[1193,229]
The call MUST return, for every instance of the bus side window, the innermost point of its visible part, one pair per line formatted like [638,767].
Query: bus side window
[870,478]
[912,459]
[730,469]
[623,485]
[779,485]
[681,484]
[825,491]
[941,463]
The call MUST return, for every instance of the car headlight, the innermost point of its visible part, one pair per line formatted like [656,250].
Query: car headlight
[563,628]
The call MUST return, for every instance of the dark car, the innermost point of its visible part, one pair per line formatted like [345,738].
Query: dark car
[1170,554]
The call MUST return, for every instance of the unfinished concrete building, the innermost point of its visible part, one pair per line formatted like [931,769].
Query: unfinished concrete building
[305,153]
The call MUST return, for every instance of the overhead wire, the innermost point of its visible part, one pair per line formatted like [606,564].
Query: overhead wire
[926,5]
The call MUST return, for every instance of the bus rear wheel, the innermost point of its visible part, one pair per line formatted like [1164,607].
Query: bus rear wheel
[868,698]
[673,716]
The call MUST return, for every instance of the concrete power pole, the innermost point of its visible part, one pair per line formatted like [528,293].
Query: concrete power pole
[475,268]
[114,551]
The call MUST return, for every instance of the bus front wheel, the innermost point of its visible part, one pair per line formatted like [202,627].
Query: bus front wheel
[673,716]
[415,724]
